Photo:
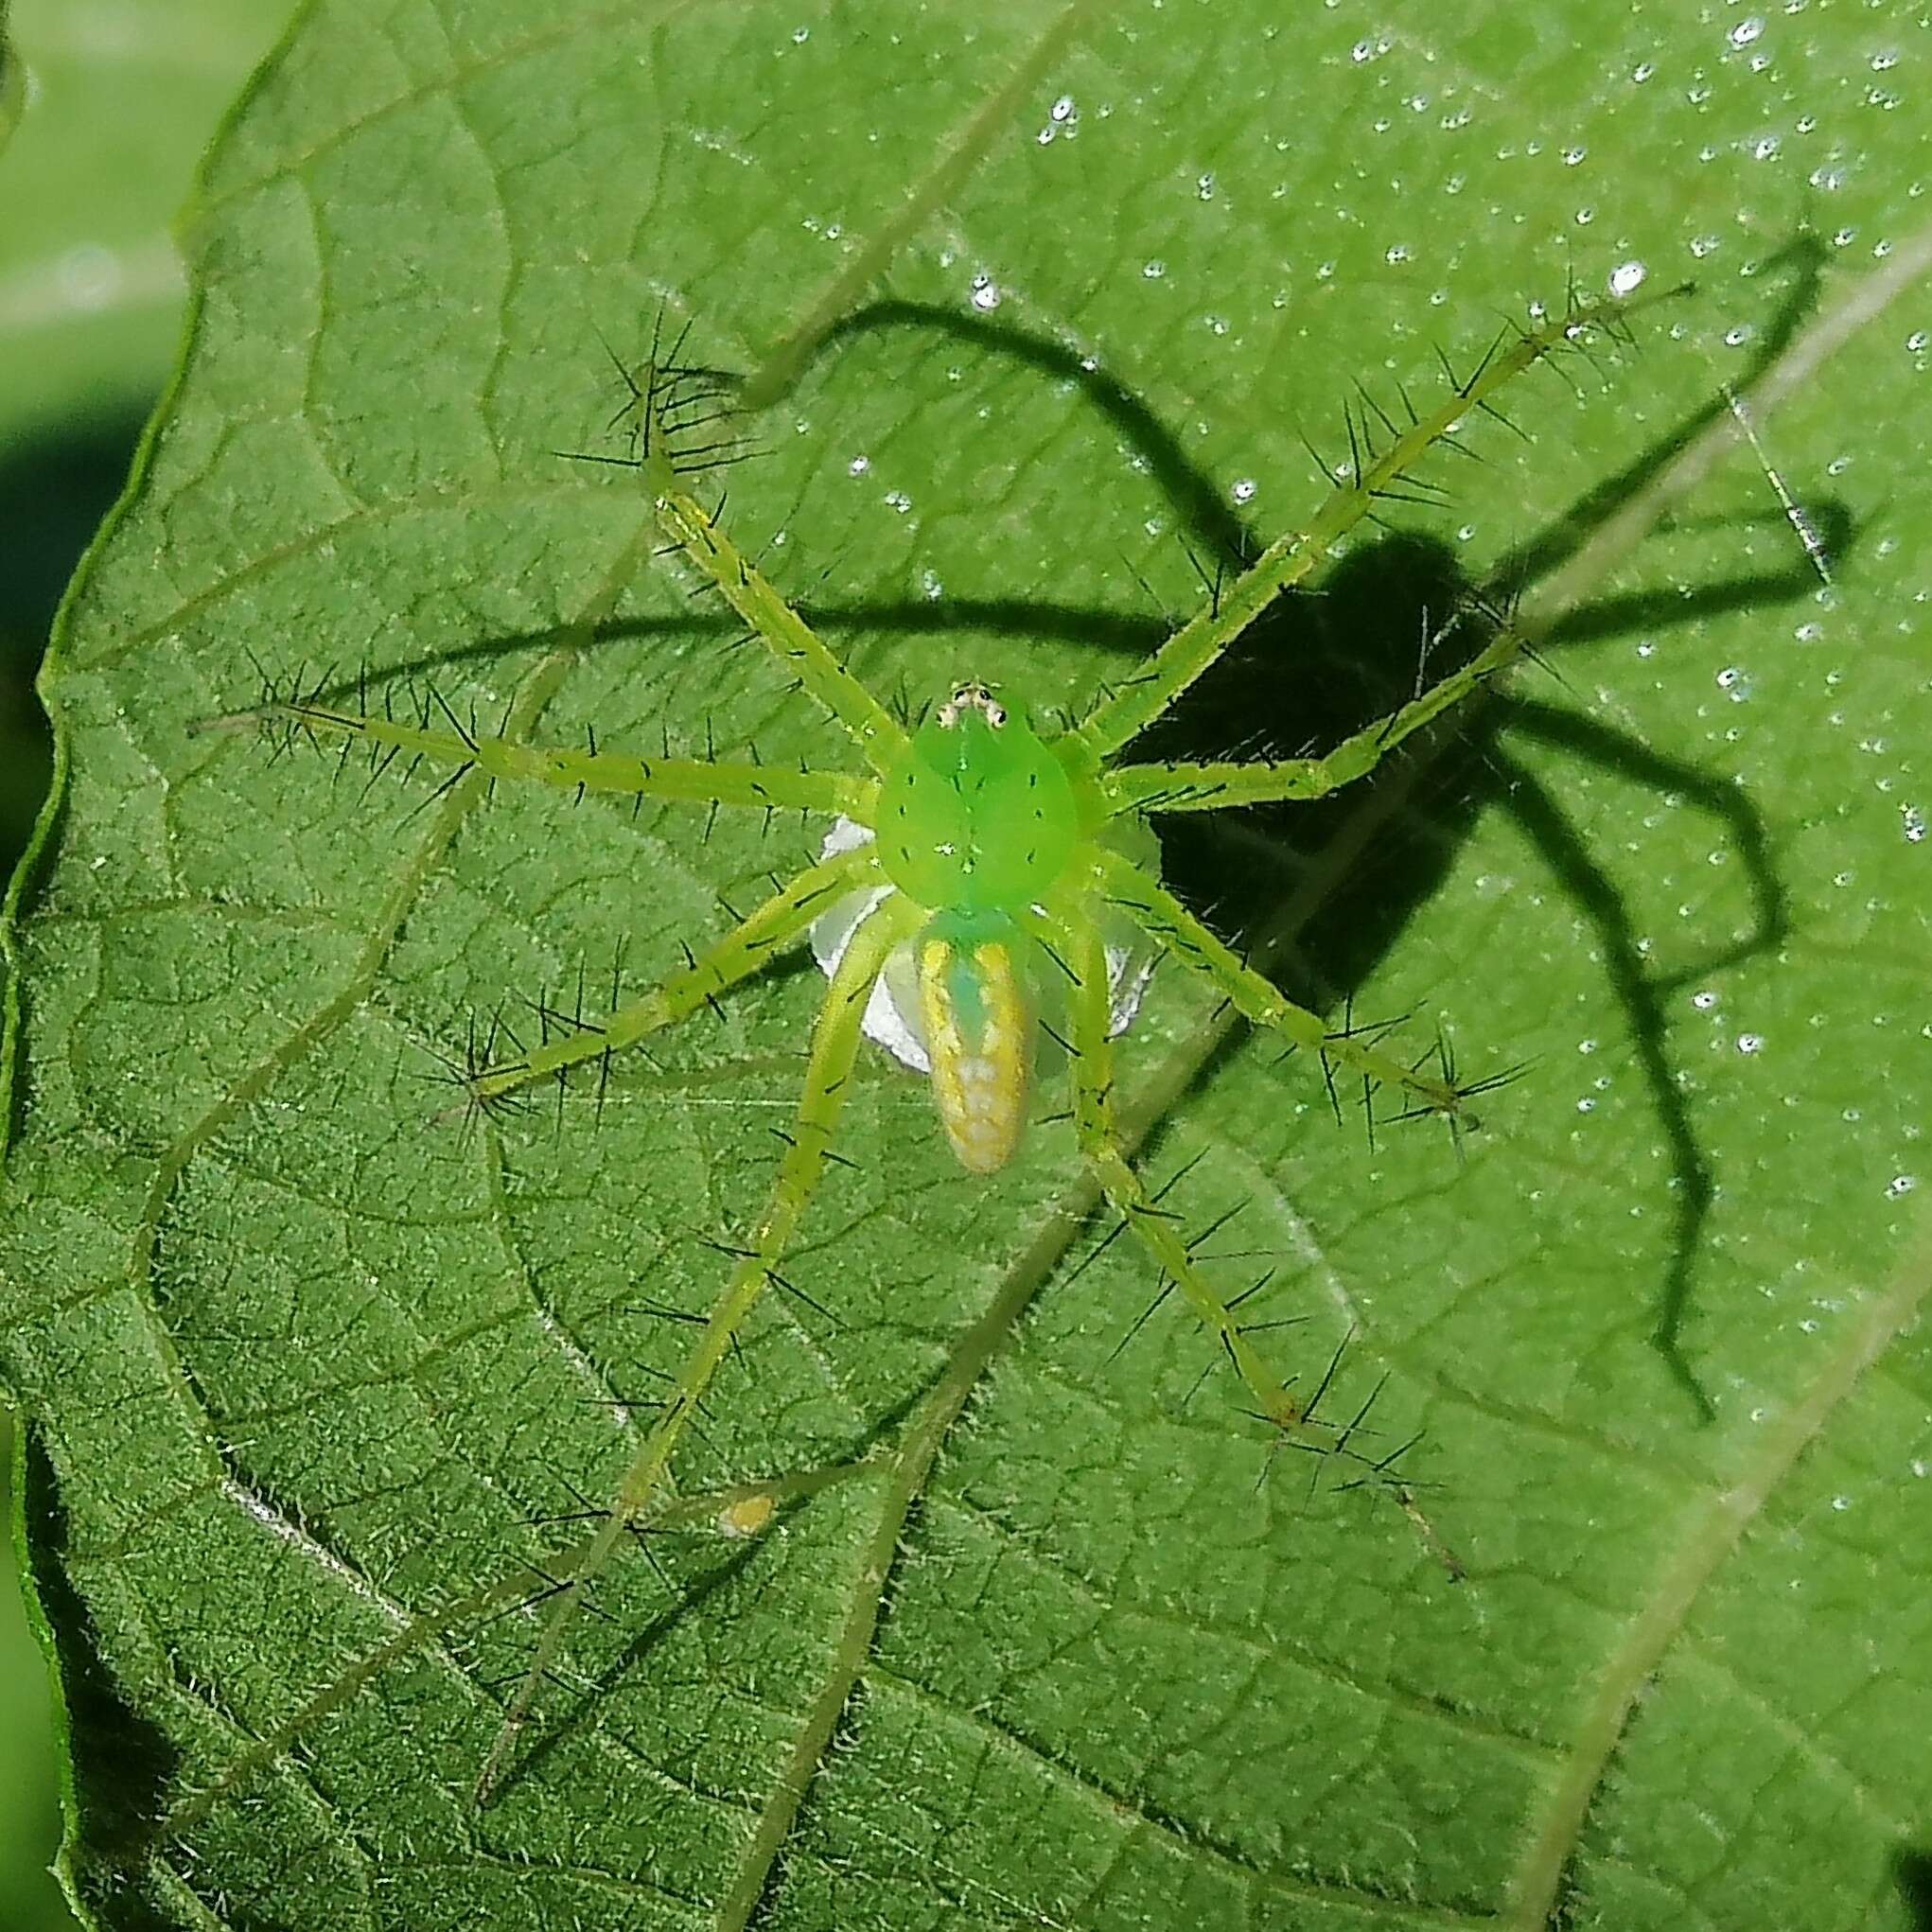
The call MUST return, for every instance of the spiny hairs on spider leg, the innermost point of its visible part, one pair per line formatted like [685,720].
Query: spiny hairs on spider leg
[982,884]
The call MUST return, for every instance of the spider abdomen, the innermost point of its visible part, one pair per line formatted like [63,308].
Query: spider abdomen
[980,1035]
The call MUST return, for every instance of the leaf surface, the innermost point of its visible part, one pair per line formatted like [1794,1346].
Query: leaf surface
[1041,1634]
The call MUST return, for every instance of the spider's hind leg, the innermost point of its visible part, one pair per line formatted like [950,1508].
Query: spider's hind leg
[1299,1424]
[808,1149]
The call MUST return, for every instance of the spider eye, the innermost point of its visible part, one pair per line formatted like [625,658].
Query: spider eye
[968,698]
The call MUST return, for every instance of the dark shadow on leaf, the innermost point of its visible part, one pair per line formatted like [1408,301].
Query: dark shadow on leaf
[55,486]
[1202,509]
[1319,666]
[122,1763]
[1913,1869]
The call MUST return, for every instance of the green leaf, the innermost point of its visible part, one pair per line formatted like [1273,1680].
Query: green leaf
[122,101]
[1042,1634]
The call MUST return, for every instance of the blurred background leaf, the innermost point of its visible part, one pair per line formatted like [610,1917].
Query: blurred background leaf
[105,107]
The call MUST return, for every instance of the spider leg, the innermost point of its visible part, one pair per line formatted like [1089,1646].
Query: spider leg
[835,1045]
[1159,914]
[437,737]
[791,640]
[1214,786]
[1129,710]
[664,457]
[1158,1228]
[781,920]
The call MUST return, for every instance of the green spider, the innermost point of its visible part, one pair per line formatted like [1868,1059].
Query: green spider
[975,878]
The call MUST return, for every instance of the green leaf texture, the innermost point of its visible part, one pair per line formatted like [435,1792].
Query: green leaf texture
[1041,1633]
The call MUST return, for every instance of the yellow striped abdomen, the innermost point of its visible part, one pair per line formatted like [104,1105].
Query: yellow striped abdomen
[979,1034]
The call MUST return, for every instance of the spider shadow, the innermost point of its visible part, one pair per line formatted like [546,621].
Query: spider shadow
[1355,649]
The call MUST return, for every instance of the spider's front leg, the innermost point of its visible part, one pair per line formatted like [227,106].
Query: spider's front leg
[434,735]
[1219,784]
[1375,475]
[834,1046]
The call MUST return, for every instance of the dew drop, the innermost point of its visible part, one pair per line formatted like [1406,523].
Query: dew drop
[1627,277]
[1153,271]
[1751,1043]
[1745,31]
[1243,492]
[986,293]
[858,466]
[1914,819]
[1900,1185]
